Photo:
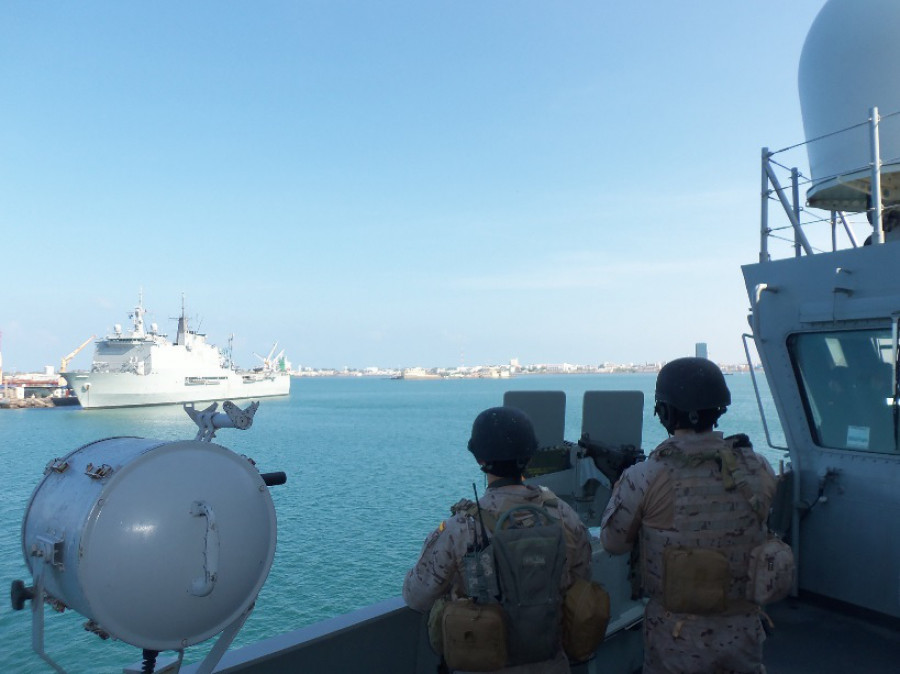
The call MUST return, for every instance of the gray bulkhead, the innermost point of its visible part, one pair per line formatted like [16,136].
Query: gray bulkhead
[825,329]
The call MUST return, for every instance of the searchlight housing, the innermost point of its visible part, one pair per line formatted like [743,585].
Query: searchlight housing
[159,544]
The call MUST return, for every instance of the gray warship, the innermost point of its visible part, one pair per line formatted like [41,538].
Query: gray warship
[141,366]
[825,323]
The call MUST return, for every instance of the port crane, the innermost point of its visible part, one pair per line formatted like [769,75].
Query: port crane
[268,361]
[64,362]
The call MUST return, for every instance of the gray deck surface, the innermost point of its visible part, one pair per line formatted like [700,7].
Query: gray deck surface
[814,638]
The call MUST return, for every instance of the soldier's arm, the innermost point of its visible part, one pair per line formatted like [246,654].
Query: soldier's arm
[622,517]
[581,567]
[578,544]
[433,574]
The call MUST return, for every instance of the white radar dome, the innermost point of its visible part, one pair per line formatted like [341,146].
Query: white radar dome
[161,544]
[851,63]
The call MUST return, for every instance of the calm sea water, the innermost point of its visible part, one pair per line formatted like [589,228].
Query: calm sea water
[373,466]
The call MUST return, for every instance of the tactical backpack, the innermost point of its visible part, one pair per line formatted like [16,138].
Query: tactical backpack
[697,579]
[530,563]
[515,607]
[513,613]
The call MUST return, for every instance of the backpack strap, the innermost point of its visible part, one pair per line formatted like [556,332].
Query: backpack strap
[733,473]
[462,506]
[470,508]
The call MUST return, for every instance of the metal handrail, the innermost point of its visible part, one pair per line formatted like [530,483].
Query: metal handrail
[762,413]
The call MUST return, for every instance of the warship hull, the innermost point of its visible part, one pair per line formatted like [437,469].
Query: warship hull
[124,389]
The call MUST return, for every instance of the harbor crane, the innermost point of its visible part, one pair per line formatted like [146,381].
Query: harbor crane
[268,361]
[64,362]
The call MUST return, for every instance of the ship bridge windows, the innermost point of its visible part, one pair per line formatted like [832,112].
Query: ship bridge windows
[846,380]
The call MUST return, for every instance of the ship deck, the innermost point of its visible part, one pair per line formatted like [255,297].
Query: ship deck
[809,637]
[812,636]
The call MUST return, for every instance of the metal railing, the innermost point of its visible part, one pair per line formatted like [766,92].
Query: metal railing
[789,198]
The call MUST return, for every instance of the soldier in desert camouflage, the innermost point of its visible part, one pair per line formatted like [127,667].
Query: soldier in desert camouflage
[502,442]
[696,507]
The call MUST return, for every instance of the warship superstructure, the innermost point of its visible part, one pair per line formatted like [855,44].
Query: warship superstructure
[142,367]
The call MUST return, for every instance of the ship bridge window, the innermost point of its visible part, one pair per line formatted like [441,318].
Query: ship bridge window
[847,385]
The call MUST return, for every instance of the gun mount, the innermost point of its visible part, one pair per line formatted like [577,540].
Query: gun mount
[609,459]
[210,421]
[583,473]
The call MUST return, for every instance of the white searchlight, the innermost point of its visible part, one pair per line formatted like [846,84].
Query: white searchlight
[158,544]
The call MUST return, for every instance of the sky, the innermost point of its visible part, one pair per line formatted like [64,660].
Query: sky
[391,184]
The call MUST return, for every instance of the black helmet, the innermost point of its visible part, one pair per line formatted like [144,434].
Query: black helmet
[689,386]
[692,384]
[503,434]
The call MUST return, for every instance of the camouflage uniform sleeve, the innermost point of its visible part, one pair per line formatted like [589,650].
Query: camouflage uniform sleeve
[578,544]
[622,517]
[768,479]
[438,566]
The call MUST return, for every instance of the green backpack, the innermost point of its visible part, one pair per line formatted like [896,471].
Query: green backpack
[530,561]
[513,613]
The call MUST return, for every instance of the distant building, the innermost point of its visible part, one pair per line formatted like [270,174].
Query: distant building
[700,350]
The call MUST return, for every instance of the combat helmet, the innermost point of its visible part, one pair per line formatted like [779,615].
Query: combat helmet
[502,435]
[690,393]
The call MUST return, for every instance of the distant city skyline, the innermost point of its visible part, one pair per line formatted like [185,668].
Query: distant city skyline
[513,365]
[501,371]
[391,184]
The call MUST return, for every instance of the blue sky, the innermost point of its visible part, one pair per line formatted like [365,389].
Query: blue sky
[391,183]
